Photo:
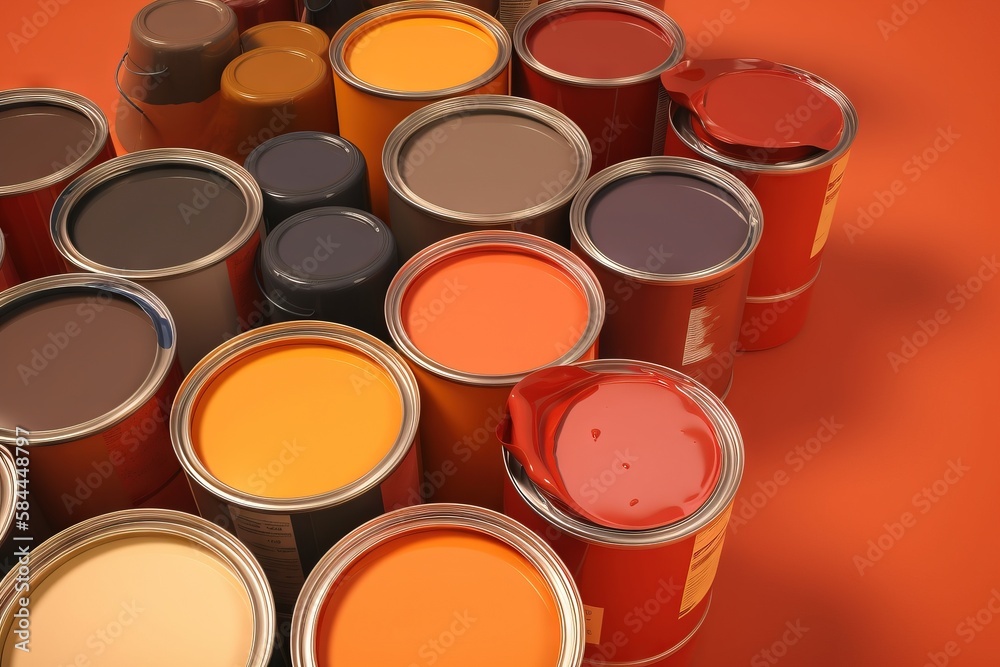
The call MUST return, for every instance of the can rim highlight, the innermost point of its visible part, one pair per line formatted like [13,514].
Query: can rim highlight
[8,480]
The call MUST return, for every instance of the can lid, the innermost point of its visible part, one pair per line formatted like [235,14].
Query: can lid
[286,34]
[272,73]
[178,25]
[292,165]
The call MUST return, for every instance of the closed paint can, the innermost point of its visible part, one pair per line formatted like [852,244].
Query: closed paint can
[652,460]
[286,35]
[183,223]
[599,62]
[798,195]
[250,13]
[672,241]
[483,162]
[332,264]
[394,59]
[89,373]
[295,434]
[303,170]
[450,585]
[55,135]
[8,276]
[330,15]
[119,589]
[472,315]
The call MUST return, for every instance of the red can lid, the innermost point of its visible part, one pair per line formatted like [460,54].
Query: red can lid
[626,450]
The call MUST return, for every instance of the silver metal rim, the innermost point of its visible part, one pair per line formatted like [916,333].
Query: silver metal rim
[785,296]
[63,547]
[666,165]
[461,107]
[293,332]
[153,158]
[163,361]
[371,19]
[656,658]
[8,492]
[730,441]
[528,244]
[353,548]
[634,7]
[68,100]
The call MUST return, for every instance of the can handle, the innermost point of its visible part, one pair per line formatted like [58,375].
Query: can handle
[118,85]
[317,9]
[259,278]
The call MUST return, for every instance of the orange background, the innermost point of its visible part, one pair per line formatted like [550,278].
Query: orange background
[793,562]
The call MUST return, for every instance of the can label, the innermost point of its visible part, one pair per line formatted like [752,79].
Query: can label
[593,619]
[240,266]
[271,538]
[703,323]
[829,204]
[704,562]
[661,121]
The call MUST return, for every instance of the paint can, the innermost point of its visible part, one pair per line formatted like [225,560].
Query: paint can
[11,491]
[299,171]
[383,70]
[445,584]
[286,35]
[290,470]
[330,15]
[251,13]
[472,315]
[333,264]
[599,62]
[118,589]
[798,195]
[483,162]
[657,459]
[183,223]
[89,375]
[8,276]
[672,242]
[56,135]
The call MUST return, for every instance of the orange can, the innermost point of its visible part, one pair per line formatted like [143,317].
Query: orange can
[286,35]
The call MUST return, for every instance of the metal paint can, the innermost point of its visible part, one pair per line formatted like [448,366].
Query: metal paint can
[59,135]
[441,584]
[330,15]
[90,373]
[672,241]
[472,315]
[599,62]
[483,162]
[183,223]
[10,492]
[8,276]
[330,444]
[286,35]
[640,466]
[251,13]
[383,72]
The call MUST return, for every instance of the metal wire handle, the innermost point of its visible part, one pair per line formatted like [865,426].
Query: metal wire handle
[118,85]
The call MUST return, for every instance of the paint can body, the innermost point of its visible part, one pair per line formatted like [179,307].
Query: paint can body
[287,35]
[8,275]
[250,13]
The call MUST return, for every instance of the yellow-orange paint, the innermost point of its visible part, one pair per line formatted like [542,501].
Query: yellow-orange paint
[494,312]
[448,597]
[414,53]
[296,420]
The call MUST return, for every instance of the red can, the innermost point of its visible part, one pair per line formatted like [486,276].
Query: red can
[254,12]
[8,276]
[50,137]
[599,62]
[628,470]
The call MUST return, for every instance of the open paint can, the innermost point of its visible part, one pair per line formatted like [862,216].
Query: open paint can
[483,162]
[10,491]
[472,315]
[295,434]
[626,468]
[49,137]
[89,372]
[449,585]
[383,70]
[8,275]
[599,62]
[672,241]
[137,587]
[183,223]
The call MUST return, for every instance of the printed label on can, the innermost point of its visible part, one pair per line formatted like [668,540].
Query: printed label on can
[661,121]
[704,562]
[829,204]
[511,11]
[593,618]
[271,538]
[242,283]
[703,322]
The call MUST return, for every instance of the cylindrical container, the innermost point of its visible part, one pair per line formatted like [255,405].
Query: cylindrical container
[449,585]
[88,375]
[270,91]
[169,77]
[120,589]
[384,70]
[599,62]
[330,15]
[303,170]
[672,241]
[472,315]
[648,462]
[483,162]
[8,276]
[797,193]
[9,492]
[332,264]
[286,35]
[50,137]
[291,469]
[250,13]
[183,223]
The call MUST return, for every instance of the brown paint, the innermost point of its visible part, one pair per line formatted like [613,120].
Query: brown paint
[37,140]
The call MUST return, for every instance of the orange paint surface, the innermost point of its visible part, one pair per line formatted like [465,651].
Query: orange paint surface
[494,312]
[448,597]
[296,420]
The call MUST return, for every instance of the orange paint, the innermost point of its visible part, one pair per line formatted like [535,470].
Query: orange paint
[312,417]
[445,595]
